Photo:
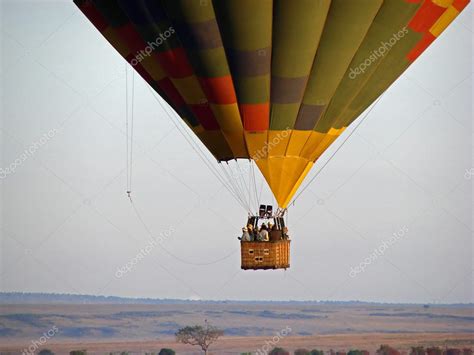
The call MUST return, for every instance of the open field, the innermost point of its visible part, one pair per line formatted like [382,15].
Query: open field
[236,345]
[102,328]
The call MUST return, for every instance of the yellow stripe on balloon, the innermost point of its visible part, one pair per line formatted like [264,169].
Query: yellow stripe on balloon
[445,19]
[297,142]
[190,90]
[228,117]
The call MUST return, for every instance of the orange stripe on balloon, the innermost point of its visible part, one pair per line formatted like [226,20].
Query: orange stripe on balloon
[175,63]
[425,17]
[420,47]
[219,90]
[255,117]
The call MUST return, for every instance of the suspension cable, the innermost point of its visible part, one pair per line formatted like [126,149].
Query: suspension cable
[126,122]
[292,203]
[235,187]
[131,132]
[129,129]
[196,148]
[252,168]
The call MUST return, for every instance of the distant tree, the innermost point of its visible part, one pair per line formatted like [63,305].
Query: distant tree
[467,351]
[355,352]
[417,350]
[166,351]
[78,352]
[316,352]
[387,350]
[279,351]
[452,351]
[302,352]
[198,335]
[434,351]
[45,352]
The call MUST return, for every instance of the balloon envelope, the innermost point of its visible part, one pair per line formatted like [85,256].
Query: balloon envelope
[275,81]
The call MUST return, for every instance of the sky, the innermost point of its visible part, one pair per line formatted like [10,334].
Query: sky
[389,219]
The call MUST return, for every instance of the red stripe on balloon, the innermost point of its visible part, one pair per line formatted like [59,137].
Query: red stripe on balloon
[205,116]
[425,17]
[460,4]
[170,90]
[94,16]
[420,47]
[175,63]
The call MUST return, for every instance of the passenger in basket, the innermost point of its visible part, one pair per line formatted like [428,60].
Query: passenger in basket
[251,232]
[285,233]
[263,235]
[245,235]
[275,234]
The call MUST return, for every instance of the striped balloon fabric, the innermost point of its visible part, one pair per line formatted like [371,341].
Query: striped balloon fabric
[275,81]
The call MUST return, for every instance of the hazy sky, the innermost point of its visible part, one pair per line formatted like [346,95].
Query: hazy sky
[67,225]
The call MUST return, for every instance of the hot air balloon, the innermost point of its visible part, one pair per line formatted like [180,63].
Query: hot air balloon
[272,81]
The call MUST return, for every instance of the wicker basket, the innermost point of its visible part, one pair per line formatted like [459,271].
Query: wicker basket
[265,255]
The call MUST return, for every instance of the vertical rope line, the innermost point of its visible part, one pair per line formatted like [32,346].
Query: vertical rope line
[257,200]
[126,125]
[131,131]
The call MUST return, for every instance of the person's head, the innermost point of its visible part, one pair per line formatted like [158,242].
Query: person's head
[244,229]
[264,226]
[249,227]
[285,229]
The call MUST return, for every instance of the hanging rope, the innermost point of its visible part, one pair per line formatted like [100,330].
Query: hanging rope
[127,135]
[252,169]
[334,153]
[150,234]
[234,187]
[129,128]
